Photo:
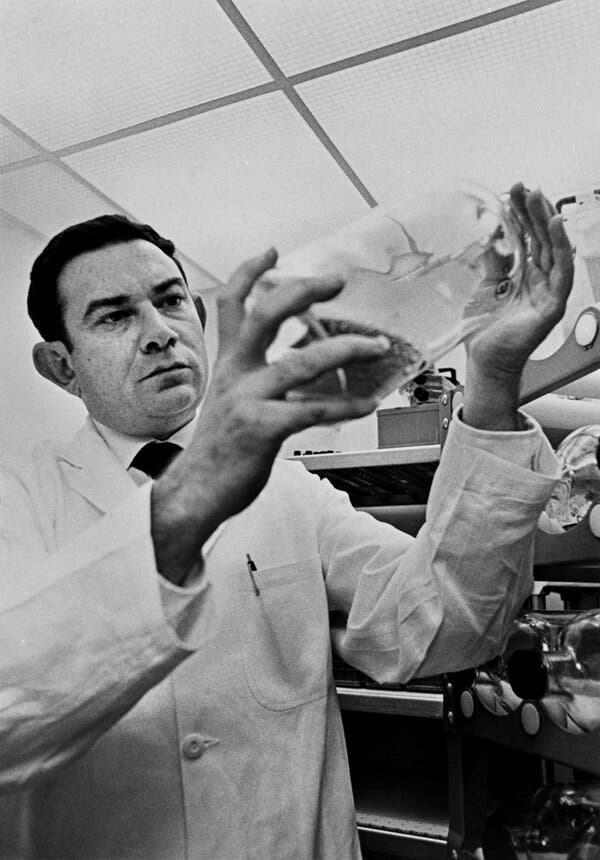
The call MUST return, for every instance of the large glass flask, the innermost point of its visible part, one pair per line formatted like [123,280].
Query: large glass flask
[579,454]
[427,273]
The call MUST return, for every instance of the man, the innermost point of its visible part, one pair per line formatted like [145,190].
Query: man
[165,670]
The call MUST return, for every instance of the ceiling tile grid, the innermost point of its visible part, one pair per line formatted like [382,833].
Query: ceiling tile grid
[12,147]
[227,184]
[73,70]
[530,106]
[301,35]
[48,199]
[513,99]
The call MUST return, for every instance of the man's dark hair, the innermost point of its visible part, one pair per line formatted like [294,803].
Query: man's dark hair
[43,301]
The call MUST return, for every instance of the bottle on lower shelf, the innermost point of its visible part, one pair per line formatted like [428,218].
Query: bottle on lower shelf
[533,632]
[570,672]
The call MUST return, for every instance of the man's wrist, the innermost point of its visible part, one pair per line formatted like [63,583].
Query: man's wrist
[180,526]
[492,401]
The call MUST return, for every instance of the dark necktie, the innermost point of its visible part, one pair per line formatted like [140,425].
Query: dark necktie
[154,457]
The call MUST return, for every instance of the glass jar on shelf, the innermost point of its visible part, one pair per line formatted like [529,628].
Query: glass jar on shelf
[570,673]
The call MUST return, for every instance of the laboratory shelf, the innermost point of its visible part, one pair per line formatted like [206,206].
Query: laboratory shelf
[531,728]
[406,816]
[368,459]
[399,702]
[385,476]
[396,843]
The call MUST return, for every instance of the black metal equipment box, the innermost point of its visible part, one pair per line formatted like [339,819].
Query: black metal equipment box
[426,424]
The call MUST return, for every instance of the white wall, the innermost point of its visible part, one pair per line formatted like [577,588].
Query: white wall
[32,408]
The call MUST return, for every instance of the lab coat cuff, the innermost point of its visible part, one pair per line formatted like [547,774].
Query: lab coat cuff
[184,605]
[528,448]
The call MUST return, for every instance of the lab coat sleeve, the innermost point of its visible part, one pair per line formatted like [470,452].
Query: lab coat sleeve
[83,631]
[444,600]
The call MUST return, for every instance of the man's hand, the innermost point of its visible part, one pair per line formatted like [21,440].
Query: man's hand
[497,355]
[249,410]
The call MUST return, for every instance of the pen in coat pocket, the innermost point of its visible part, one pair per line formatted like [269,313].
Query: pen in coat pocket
[251,568]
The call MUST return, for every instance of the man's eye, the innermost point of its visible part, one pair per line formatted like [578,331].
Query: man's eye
[114,317]
[172,301]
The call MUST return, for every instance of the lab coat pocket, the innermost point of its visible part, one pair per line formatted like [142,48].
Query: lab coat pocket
[285,634]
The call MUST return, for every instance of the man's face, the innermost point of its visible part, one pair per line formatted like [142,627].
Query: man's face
[138,355]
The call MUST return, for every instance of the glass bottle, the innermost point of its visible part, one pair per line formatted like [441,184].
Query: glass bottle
[571,670]
[531,631]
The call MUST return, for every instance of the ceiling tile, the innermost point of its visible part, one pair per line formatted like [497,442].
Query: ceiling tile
[12,147]
[73,70]
[47,198]
[301,35]
[226,185]
[516,99]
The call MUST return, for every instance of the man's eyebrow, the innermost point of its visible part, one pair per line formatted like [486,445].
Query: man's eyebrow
[109,302]
[165,285]
[120,301]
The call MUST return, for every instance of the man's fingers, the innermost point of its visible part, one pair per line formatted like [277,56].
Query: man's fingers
[281,303]
[245,276]
[230,301]
[517,200]
[540,212]
[293,416]
[300,366]
[563,257]
[520,199]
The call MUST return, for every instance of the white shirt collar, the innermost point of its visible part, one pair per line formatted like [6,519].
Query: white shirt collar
[126,447]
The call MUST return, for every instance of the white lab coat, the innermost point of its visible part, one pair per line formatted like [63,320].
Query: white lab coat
[236,749]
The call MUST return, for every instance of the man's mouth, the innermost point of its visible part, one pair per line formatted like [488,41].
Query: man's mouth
[161,370]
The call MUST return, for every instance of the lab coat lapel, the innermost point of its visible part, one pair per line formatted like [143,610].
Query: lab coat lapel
[92,470]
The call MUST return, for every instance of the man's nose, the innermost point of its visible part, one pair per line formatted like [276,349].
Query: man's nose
[157,333]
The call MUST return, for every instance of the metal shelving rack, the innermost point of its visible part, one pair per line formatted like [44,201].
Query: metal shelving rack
[529,729]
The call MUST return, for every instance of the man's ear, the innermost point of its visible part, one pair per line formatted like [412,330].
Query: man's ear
[53,361]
